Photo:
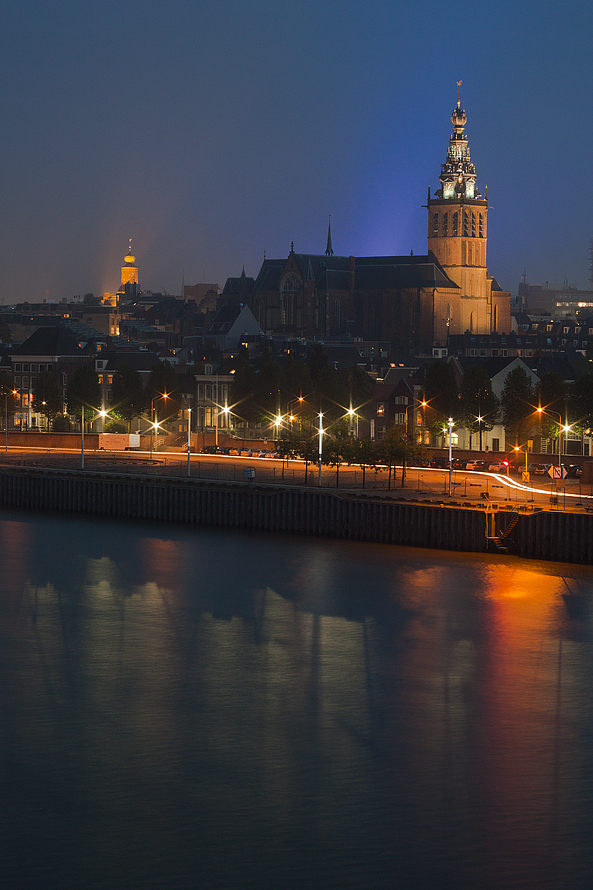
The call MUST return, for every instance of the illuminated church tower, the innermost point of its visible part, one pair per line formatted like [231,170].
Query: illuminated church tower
[129,276]
[129,272]
[457,236]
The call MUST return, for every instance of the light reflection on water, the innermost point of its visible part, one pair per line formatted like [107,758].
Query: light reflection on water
[184,708]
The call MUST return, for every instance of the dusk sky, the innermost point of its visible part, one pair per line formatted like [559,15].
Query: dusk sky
[212,132]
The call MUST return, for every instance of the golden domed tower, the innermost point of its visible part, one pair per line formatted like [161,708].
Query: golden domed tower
[129,271]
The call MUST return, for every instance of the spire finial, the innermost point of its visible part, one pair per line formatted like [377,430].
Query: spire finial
[459,82]
[329,251]
[130,246]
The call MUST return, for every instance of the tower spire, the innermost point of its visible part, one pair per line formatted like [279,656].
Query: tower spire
[329,251]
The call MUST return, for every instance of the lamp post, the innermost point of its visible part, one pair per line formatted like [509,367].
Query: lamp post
[288,414]
[566,428]
[151,422]
[82,437]
[450,453]
[188,442]
[320,444]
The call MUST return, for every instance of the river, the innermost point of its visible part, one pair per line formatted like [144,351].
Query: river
[196,708]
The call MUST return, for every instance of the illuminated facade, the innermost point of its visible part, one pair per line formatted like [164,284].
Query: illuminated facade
[414,302]
[457,236]
[129,271]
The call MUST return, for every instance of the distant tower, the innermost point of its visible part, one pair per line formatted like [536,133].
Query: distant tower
[129,271]
[457,234]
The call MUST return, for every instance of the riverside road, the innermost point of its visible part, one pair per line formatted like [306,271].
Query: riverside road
[418,483]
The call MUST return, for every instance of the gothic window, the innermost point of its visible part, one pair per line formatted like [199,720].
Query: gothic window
[291,282]
[445,223]
[465,224]
[473,225]
[337,314]
[495,318]
[471,322]
[481,226]
[471,254]
[455,223]
[435,224]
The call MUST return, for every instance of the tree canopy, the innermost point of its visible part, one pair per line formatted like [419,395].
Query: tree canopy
[47,398]
[84,392]
[128,396]
[517,404]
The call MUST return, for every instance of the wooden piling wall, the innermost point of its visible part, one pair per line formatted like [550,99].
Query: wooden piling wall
[558,536]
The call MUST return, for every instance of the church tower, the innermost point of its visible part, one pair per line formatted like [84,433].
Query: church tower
[129,271]
[457,235]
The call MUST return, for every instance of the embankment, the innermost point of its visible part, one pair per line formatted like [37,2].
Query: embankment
[559,536]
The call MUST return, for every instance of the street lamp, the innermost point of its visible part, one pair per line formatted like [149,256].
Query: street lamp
[320,444]
[525,472]
[450,422]
[189,442]
[566,428]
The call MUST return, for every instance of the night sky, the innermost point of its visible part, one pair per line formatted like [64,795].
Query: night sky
[212,132]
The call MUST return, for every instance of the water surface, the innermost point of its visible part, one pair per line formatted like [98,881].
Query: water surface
[207,709]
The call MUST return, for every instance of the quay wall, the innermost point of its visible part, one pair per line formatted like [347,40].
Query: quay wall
[545,535]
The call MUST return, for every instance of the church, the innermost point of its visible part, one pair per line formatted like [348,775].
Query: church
[415,302]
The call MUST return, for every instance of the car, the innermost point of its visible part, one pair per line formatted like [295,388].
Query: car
[479,465]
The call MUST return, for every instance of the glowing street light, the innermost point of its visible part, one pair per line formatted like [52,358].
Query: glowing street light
[320,444]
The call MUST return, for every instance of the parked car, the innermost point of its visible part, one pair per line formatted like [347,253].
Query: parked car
[497,467]
[480,465]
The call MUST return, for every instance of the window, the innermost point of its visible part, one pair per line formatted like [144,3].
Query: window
[17,367]
[17,381]
[473,352]
[110,379]
[503,352]
[482,352]
[291,282]
[25,381]
[456,223]
[445,223]
[465,224]
[481,226]
[435,224]
[401,400]
[34,368]
[380,409]
[401,419]
[473,225]
[25,367]
[41,368]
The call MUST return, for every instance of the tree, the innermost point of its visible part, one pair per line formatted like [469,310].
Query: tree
[478,406]
[440,393]
[365,453]
[163,392]
[128,396]
[336,449]
[516,402]
[552,394]
[83,395]
[61,424]
[47,398]
[394,447]
[581,402]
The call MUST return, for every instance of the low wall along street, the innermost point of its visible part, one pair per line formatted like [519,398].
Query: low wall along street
[534,534]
